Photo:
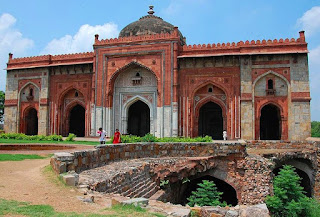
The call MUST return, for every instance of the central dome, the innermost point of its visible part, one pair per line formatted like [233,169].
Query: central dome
[148,25]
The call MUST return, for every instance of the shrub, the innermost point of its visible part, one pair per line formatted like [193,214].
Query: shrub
[54,137]
[130,139]
[288,198]
[206,195]
[71,137]
[148,138]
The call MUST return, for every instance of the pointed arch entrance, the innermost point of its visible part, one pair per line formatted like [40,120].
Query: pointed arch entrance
[72,115]
[139,119]
[31,122]
[77,121]
[270,123]
[210,120]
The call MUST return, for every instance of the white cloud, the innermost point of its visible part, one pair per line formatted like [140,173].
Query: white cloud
[310,21]
[314,65]
[11,40]
[82,41]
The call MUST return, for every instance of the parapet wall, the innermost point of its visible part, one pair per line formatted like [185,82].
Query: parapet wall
[82,160]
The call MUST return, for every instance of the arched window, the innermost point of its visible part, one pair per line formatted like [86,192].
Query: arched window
[270,84]
[31,92]
[76,94]
[210,90]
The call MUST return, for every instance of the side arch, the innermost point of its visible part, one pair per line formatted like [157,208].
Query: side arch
[282,102]
[65,105]
[207,97]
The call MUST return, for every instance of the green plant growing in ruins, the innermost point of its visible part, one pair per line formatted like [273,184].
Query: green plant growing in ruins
[288,198]
[185,180]
[206,195]
[164,183]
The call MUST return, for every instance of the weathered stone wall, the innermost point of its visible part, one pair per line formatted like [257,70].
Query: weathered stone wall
[83,160]
[247,121]
[300,120]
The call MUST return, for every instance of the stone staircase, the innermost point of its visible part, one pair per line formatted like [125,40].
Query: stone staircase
[133,182]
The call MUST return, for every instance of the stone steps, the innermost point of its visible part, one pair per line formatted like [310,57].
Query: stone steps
[151,190]
[137,191]
[145,188]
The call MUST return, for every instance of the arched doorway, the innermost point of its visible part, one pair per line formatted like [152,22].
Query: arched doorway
[139,119]
[211,120]
[270,123]
[77,121]
[31,121]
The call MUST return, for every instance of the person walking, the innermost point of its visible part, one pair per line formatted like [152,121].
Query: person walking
[116,137]
[102,133]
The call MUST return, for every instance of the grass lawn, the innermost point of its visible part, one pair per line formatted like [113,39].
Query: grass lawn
[11,207]
[19,157]
[17,141]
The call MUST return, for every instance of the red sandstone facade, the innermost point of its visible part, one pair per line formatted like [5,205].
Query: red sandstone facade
[151,81]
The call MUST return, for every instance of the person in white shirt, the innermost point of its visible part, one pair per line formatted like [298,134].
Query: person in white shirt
[224,135]
[102,133]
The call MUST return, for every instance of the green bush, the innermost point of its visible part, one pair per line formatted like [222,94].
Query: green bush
[71,137]
[149,138]
[206,195]
[21,136]
[288,198]
[54,137]
[130,139]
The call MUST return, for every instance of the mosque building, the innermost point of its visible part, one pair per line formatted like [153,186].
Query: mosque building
[148,80]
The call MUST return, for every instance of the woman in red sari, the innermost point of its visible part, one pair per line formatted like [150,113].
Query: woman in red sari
[117,137]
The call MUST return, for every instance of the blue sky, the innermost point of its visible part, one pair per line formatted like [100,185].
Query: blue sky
[35,27]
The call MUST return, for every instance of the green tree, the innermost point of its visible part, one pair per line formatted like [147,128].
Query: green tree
[315,129]
[1,105]
[288,199]
[206,195]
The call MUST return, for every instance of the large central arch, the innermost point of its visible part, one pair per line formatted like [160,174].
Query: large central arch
[133,84]
[139,119]
[210,120]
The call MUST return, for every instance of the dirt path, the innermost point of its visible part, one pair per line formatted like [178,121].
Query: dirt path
[29,181]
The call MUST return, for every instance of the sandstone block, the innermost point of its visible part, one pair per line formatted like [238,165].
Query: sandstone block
[137,201]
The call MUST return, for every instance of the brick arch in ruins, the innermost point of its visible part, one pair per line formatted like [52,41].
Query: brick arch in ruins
[68,99]
[279,97]
[132,83]
[29,95]
[201,96]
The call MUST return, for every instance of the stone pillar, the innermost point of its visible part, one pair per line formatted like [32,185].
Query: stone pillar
[43,122]
[246,104]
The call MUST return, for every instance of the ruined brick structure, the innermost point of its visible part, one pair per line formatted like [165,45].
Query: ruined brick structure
[244,176]
[149,80]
